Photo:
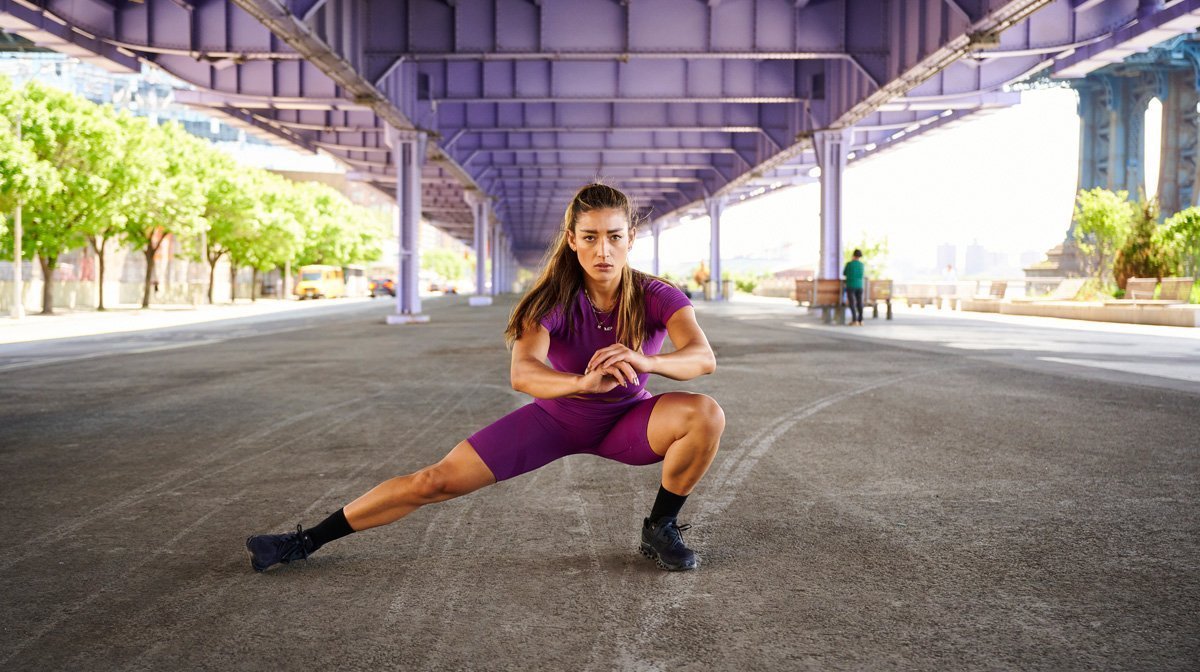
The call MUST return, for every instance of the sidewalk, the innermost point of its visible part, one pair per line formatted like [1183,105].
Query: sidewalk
[126,318]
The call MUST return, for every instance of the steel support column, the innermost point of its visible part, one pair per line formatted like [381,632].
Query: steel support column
[1179,171]
[479,210]
[831,148]
[715,207]
[409,149]
[496,255]
[657,236]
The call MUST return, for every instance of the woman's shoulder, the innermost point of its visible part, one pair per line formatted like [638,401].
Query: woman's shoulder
[658,286]
[663,298]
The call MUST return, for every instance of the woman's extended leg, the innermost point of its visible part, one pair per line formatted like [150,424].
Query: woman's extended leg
[460,472]
[685,429]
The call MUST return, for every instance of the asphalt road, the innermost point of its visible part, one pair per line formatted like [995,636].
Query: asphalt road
[877,503]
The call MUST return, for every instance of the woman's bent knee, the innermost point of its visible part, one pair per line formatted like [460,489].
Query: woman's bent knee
[706,414]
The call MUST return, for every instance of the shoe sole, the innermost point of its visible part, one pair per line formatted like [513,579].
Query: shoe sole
[653,555]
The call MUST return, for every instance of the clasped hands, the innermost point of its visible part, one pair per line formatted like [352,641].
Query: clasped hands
[612,366]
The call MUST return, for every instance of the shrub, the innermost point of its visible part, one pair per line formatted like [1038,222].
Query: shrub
[1143,254]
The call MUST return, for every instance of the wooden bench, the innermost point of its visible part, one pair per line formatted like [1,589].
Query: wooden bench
[1177,289]
[1140,292]
[1066,291]
[823,294]
[878,291]
[920,295]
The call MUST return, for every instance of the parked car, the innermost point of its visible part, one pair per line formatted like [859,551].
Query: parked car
[381,287]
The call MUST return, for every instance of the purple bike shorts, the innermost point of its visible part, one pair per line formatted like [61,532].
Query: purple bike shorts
[548,429]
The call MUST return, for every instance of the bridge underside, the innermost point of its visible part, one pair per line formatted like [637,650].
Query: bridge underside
[687,105]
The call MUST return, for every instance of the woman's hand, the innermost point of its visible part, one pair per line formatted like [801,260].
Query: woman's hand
[598,381]
[620,362]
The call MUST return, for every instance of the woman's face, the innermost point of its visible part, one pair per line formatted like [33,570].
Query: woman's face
[602,241]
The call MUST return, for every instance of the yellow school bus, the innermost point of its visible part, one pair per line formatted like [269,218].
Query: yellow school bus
[320,282]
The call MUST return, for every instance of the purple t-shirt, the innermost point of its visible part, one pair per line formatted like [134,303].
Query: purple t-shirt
[571,352]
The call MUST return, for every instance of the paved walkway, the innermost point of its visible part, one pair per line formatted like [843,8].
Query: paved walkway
[878,502]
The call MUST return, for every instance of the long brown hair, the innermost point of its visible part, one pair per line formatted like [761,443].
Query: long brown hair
[562,277]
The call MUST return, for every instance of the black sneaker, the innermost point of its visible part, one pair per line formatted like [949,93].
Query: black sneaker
[271,549]
[663,542]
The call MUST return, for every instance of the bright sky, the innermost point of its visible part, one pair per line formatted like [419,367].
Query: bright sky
[1005,179]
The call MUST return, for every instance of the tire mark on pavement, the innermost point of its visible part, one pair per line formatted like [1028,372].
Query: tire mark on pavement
[64,611]
[749,452]
[206,594]
[443,409]
[27,547]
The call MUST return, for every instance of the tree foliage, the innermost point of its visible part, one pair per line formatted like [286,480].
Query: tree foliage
[1142,255]
[445,264]
[874,257]
[87,175]
[1179,236]
[1102,223]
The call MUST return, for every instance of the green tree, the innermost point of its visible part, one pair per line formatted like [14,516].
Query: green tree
[445,264]
[124,175]
[278,233]
[1180,234]
[24,177]
[230,202]
[170,200]
[336,232]
[77,138]
[874,257]
[1102,223]
[1142,255]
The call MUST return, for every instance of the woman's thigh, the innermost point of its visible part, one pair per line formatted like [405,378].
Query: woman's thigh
[524,440]
[629,441]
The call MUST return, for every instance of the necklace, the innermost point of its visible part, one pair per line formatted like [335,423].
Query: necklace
[600,321]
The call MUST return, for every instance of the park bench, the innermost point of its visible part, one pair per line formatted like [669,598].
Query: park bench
[1065,291]
[1177,289]
[947,294]
[878,291]
[998,289]
[823,294]
[1140,292]
[920,294]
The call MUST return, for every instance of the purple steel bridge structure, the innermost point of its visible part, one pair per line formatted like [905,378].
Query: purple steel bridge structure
[484,116]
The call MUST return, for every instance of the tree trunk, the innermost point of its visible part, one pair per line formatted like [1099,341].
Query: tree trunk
[254,284]
[232,282]
[100,276]
[149,252]
[212,278]
[48,264]
[212,273]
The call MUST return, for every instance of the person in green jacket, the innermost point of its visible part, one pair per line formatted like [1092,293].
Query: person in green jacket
[854,272]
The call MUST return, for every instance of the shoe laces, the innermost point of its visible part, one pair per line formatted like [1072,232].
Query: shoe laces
[672,530]
[294,544]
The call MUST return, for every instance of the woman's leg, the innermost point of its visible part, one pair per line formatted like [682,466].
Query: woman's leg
[685,429]
[460,472]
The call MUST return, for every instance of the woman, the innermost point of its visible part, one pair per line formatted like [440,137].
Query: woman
[601,325]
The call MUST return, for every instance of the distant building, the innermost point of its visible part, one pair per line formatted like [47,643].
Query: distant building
[947,255]
[977,260]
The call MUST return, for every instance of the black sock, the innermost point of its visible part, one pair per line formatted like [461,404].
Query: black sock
[666,505]
[334,527]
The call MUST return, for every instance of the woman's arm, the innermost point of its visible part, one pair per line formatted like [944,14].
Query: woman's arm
[530,374]
[693,356]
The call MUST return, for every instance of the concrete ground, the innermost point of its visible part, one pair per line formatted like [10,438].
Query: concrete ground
[940,492]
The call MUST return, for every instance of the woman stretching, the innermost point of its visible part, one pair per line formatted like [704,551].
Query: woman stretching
[601,325]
